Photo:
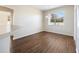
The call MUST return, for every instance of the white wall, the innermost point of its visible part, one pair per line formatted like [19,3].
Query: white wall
[4,32]
[27,20]
[68,27]
[5,43]
[4,24]
[77,41]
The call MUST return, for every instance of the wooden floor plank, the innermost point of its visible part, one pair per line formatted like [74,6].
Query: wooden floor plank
[44,42]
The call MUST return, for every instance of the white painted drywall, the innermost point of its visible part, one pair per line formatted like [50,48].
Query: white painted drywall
[27,20]
[4,32]
[68,27]
[5,43]
[4,23]
[77,41]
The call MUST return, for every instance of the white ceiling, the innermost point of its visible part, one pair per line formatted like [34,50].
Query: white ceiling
[40,7]
[46,7]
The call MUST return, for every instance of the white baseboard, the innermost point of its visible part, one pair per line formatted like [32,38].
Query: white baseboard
[59,33]
[26,35]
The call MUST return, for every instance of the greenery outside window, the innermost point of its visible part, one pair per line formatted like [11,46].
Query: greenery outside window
[56,18]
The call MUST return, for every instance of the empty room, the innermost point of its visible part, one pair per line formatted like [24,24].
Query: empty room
[37,29]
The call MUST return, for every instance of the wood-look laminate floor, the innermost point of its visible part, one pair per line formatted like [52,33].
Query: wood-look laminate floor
[44,42]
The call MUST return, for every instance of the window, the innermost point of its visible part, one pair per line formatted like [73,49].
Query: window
[56,18]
